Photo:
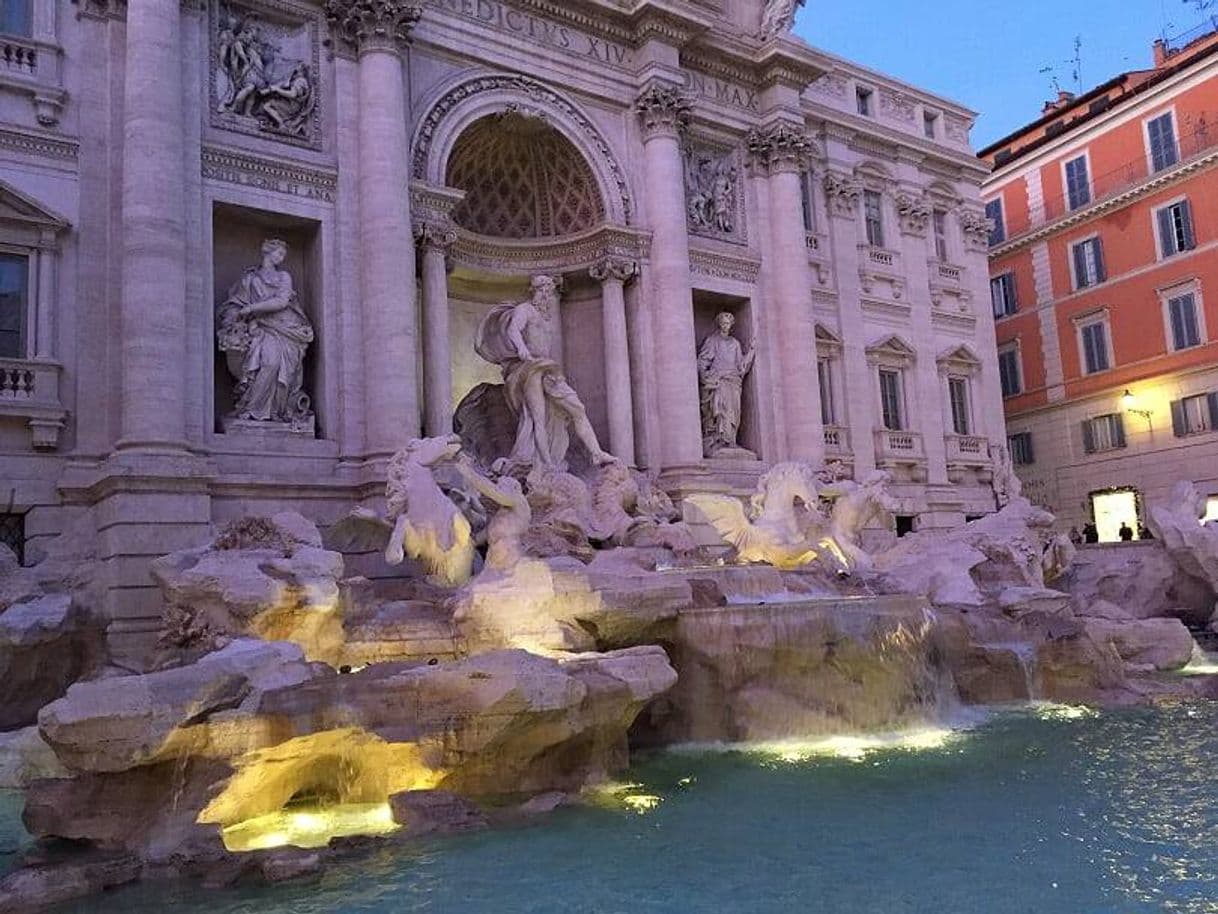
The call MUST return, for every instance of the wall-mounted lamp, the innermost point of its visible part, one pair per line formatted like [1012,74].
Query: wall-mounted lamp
[1130,404]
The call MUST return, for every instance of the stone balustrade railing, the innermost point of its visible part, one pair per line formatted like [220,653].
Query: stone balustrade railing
[30,390]
[19,55]
[899,446]
[837,441]
[949,273]
[967,449]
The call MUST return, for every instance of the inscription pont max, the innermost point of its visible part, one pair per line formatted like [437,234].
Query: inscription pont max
[537,30]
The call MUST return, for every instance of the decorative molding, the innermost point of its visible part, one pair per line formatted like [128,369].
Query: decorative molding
[897,105]
[831,85]
[891,349]
[913,213]
[275,175]
[843,192]
[724,266]
[372,25]
[959,360]
[435,235]
[663,110]
[976,228]
[41,146]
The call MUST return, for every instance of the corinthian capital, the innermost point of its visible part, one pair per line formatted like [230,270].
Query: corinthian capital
[613,268]
[373,24]
[435,235]
[662,109]
[779,147]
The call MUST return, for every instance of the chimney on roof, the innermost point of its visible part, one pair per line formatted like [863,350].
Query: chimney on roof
[1063,99]
[1160,52]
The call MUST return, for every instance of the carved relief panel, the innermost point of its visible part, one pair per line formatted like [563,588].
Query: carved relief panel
[714,207]
[264,70]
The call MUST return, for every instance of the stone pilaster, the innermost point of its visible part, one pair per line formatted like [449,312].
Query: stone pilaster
[663,111]
[378,30]
[153,307]
[613,273]
[435,240]
[782,150]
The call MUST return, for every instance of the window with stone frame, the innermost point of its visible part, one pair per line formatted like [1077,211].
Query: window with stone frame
[939,224]
[1194,415]
[1003,297]
[1094,342]
[1104,433]
[1010,375]
[873,217]
[828,404]
[1174,227]
[864,101]
[1184,319]
[1161,140]
[14,305]
[1020,447]
[16,17]
[892,399]
[961,407]
[993,212]
[1087,257]
[930,125]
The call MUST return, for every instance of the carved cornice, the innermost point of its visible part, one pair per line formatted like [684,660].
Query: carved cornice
[613,269]
[430,203]
[41,146]
[780,147]
[117,9]
[663,110]
[567,255]
[276,175]
[367,25]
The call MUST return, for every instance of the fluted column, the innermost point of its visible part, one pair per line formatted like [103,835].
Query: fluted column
[435,240]
[153,307]
[379,31]
[782,150]
[613,273]
[663,111]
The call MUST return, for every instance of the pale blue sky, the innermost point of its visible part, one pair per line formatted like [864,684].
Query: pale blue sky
[988,55]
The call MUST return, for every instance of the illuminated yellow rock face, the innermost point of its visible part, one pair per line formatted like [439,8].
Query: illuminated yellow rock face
[313,826]
[319,775]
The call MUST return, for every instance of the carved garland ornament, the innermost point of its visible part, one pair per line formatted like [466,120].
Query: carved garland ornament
[976,228]
[364,24]
[618,269]
[913,212]
[540,96]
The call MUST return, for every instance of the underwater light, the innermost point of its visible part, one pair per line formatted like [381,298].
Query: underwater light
[313,827]
[857,748]
[1047,710]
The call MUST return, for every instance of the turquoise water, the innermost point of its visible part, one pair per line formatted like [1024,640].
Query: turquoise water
[12,836]
[1110,813]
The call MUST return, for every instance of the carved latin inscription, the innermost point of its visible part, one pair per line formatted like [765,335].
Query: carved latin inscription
[531,27]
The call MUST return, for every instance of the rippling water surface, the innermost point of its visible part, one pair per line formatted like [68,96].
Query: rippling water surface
[1036,811]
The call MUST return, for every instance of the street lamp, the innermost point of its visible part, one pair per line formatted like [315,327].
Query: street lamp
[1130,404]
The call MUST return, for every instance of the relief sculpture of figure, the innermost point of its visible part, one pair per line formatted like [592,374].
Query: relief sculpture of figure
[722,367]
[517,336]
[264,333]
[287,104]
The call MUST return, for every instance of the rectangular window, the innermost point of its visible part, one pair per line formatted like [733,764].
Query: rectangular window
[1009,374]
[824,372]
[1020,447]
[1002,295]
[14,290]
[874,215]
[1176,228]
[1104,433]
[1161,134]
[863,99]
[930,123]
[993,212]
[1094,338]
[1088,259]
[1182,318]
[957,390]
[892,407]
[805,187]
[939,218]
[1078,184]
[1193,415]
[15,18]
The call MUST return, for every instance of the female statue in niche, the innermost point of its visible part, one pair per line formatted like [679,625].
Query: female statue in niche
[722,367]
[265,334]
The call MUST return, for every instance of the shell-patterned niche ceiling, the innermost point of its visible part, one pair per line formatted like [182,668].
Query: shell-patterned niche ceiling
[522,179]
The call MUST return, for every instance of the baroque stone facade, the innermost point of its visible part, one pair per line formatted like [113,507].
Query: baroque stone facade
[420,163]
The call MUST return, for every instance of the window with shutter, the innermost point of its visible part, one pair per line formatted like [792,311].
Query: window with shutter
[1182,321]
[1020,447]
[1002,295]
[1095,347]
[1161,132]
[1176,228]
[993,212]
[1104,433]
[1088,263]
[1078,184]
[1194,415]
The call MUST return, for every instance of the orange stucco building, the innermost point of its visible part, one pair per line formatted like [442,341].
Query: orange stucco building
[1104,284]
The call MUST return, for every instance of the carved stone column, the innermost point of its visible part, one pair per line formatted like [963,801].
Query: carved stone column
[379,31]
[153,324]
[435,239]
[613,273]
[782,150]
[663,111]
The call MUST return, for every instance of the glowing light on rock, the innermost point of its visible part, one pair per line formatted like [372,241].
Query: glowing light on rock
[314,827]
[1050,711]
[1201,664]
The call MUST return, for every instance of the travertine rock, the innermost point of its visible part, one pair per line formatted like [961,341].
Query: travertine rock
[25,758]
[1141,578]
[265,578]
[426,812]
[46,643]
[1177,525]
[1164,644]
